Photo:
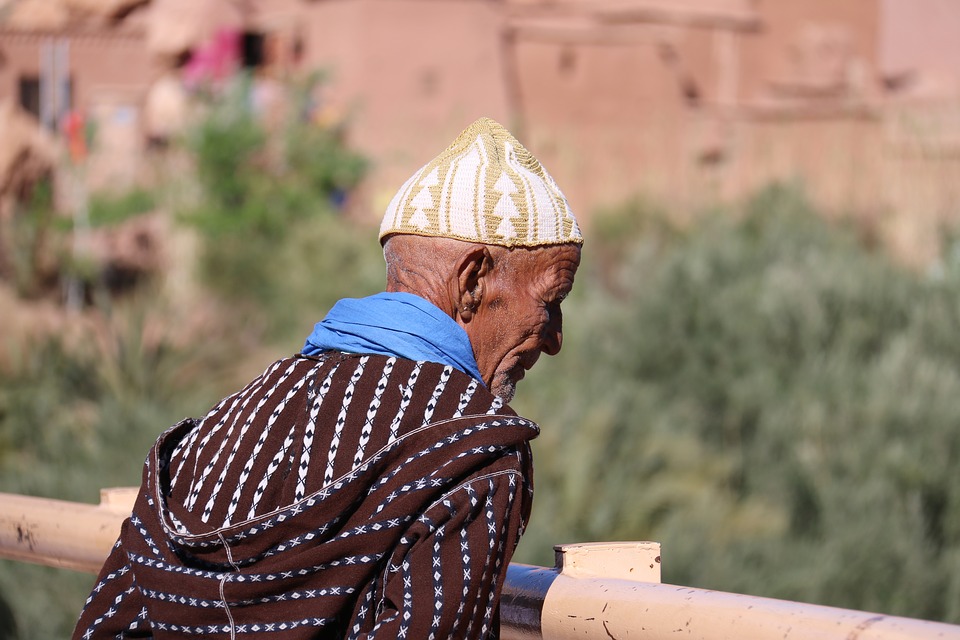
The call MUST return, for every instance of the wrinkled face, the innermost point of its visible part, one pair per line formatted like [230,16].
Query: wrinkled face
[519,316]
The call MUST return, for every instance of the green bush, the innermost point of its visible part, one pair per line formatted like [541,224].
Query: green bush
[270,225]
[79,415]
[771,401]
[27,255]
[260,185]
[112,208]
[37,257]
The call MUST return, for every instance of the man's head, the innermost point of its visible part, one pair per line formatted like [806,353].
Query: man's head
[507,300]
[484,233]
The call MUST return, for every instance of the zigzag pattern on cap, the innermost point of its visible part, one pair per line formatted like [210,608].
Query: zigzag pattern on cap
[485,187]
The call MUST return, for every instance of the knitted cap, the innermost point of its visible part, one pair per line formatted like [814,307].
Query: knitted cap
[485,187]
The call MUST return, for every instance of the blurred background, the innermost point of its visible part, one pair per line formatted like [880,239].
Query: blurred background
[761,366]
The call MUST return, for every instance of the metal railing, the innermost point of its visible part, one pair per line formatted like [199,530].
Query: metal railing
[596,591]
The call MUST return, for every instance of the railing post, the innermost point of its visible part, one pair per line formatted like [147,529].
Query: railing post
[536,600]
[638,561]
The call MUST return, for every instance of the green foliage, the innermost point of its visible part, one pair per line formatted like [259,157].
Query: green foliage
[774,403]
[112,208]
[759,392]
[269,221]
[28,249]
[227,146]
[8,621]
[80,414]
[258,184]
[319,163]
[38,250]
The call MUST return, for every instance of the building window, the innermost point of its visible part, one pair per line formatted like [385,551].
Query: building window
[59,99]
[252,47]
[30,94]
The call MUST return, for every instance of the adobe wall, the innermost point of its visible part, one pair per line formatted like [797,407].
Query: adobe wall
[409,75]
[688,111]
[810,43]
[606,120]
[110,75]
[919,34]
[686,102]
[99,63]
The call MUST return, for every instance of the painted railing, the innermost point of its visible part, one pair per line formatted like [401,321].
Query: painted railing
[596,591]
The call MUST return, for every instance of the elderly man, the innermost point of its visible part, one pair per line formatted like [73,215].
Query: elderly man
[376,484]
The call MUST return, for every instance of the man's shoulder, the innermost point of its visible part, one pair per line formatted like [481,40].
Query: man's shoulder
[414,376]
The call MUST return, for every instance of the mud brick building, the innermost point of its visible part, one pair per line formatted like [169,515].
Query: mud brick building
[683,101]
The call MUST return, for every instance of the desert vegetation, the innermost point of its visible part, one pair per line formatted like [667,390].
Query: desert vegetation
[766,393]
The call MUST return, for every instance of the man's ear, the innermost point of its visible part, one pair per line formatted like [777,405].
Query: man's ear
[472,268]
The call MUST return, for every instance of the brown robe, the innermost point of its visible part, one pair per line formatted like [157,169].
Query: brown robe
[334,496]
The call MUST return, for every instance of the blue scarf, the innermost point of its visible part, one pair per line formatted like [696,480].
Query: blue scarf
[394,324]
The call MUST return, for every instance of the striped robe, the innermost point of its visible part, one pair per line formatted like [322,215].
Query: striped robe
[334,496]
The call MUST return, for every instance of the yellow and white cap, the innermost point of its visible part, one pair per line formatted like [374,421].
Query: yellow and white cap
[485,187]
